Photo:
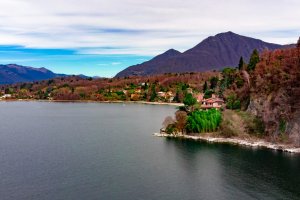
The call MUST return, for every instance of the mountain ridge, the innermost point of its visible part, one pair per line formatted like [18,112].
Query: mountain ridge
[14,73]
[213,53]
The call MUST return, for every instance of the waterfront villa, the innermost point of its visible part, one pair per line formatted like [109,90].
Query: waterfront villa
[213,102]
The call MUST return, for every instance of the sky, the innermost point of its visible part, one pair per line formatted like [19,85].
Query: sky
[102,37]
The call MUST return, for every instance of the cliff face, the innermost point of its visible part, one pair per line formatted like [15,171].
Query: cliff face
[275,94]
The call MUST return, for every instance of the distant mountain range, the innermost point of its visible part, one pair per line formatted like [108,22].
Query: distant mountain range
[13,73]
[215,52]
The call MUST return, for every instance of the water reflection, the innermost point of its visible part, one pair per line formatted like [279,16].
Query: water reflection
[244,172]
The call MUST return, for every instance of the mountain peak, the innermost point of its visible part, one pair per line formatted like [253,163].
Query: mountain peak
[213,53]
[171,52]
[228,34]
[167,54]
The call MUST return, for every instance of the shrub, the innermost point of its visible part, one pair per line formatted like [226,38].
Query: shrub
[227,129]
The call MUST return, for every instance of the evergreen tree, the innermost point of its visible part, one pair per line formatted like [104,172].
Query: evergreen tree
[254,59]
[241,63]
[205,86]
[153,93]
[213,82]
[177,98]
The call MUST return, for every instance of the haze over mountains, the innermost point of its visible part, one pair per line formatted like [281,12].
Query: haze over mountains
[215,52]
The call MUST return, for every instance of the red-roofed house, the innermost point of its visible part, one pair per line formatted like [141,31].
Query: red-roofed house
[213,102]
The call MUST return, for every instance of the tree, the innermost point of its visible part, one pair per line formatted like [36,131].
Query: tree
[168,120]
[254,59]
[181,119]
[189,100]
[213,82]
[153,93]
[241,63]
[205,86]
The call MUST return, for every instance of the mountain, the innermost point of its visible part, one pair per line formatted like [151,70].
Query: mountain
[215,52]
[149,67]
[13,73]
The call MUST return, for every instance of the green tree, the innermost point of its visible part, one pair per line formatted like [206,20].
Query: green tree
[254,59]
[208,94]
[189,100]
[205,86]
[233,102]
[213,82]
[241,63]
[153,93]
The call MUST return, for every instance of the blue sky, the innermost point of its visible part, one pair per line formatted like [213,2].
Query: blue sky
[69,61]
[101,37]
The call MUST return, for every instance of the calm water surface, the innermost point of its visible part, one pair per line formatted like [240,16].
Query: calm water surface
[107,151]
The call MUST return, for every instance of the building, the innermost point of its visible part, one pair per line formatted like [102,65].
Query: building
[161,94]
[138,91]
[213,102]
[6,96]
[170,96]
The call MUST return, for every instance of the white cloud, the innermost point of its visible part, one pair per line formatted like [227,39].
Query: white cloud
[116,63]
[142,27]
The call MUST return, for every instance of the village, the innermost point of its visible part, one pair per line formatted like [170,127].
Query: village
[140,92]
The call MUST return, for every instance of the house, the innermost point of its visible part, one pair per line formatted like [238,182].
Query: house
[138,91]
[125,92]
[170,96]
[161,94]
[6,96]
[213,102]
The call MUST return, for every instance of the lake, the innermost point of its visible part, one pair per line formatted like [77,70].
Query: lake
[52,151]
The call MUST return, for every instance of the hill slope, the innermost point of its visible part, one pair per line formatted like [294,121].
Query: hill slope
[13,73]
[215,52]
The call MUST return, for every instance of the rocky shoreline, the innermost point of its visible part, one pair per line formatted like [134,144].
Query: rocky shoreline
[237,141]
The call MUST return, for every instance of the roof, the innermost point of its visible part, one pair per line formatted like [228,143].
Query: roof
[213,100]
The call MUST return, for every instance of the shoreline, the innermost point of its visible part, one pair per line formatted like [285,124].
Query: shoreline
[91,101]
[258,143]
